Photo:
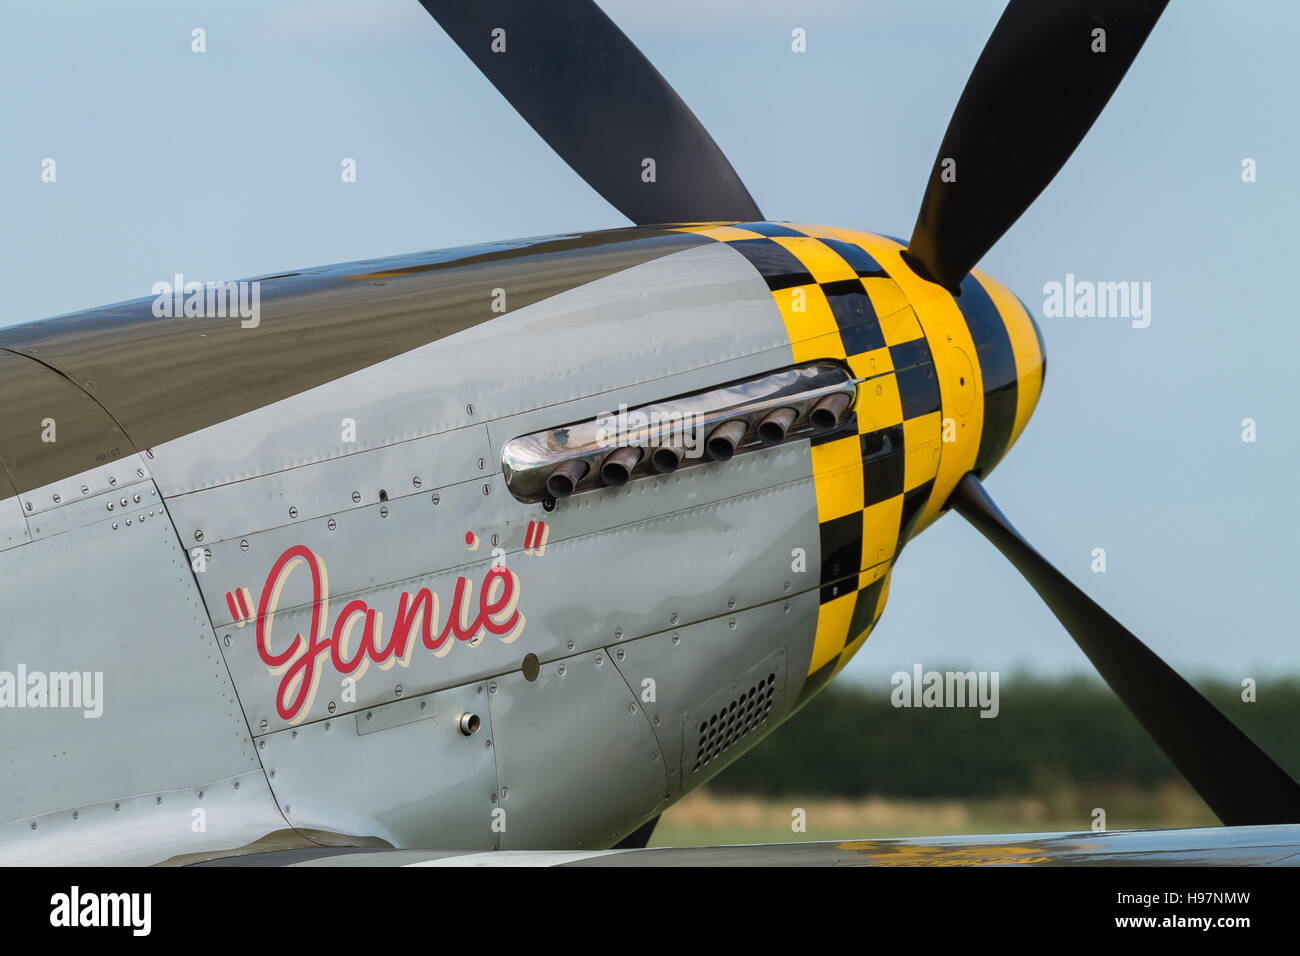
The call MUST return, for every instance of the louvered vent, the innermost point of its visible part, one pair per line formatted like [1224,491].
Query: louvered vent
[747,711]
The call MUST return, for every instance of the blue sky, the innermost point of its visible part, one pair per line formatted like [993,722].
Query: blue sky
[226,164]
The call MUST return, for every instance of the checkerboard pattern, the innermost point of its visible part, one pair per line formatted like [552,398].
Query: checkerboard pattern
[873,477]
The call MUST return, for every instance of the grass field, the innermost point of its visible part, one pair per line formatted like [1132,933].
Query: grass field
[705,818]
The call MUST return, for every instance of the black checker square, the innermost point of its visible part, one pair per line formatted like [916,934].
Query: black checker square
[859,260]
[918,390]
[913,502]
[841,546]
[778,266]
[864,610]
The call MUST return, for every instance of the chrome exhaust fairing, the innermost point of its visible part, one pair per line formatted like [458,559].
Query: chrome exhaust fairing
[661,437]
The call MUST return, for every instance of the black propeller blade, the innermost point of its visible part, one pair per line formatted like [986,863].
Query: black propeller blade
[1240,782]
[599,103]
[1036,90]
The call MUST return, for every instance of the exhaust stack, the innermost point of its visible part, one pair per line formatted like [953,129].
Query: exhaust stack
[829,412]
[565,478]
[723,440]
[773,427]
[617,467]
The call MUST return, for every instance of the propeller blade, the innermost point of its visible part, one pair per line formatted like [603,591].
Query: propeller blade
[598,102]
[1240,782]
[1033,95]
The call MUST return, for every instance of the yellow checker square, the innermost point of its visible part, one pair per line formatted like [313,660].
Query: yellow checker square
[833,620]
[920,464]
[880,524]
[719,231]
[730,233]
[870,364]
[823,262]
[886,297]
[922,430]
[837,476]
[900,327]
[812,229]
[806,312]
[879,405]
[828,346]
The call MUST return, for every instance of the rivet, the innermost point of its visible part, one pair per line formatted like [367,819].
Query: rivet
[293,735]
[487,489]
[227,640]
[236,784]
[619,654]
[117,806]
[33,824]
[110,506]
[140,472]
[631,708]
[618,634]
[435,498]
[264,725]
[128,522]
[787,586]
[331,708]
[655,720]
[356,496]
[293,512]
[495,541]
[505,792]
[158,801]
[272,774]
[29,508]
[399,690]
[415,482]
[492,687]
[136,498]
[114,525]
[123,502]
[469,409]
[75,815]
[732,623]
[570,645]
[676,638]
[57,499]
[672,619]
[786,608]
[200,794]
[600,659]
[112,481]
[482,463]
[85,489]
[561,670]
[370,714]
[731,603]
[288,809]
[383,511]
[198,535]
[331,524]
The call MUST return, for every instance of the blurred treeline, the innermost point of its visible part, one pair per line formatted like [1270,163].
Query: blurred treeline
[850,741]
